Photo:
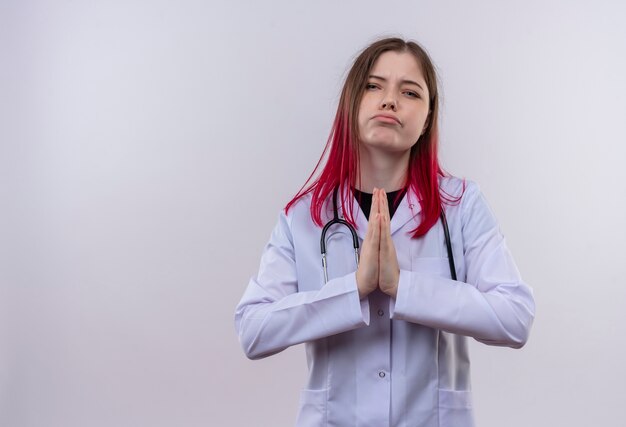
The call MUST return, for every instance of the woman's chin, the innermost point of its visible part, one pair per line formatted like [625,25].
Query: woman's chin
[389,145]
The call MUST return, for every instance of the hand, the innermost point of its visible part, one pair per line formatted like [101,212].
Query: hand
[378,266]
[388,268]
[367,271]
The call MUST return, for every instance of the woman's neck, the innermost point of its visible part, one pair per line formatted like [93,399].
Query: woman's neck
[379,169]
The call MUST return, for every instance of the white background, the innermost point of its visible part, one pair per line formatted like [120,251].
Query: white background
[147,147]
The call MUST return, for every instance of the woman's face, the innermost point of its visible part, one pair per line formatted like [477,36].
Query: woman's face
[394,108]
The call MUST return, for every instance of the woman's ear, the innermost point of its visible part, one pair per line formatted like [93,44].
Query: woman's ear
[426,123]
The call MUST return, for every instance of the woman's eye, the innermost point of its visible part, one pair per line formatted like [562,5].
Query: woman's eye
[412,94]
[370,86]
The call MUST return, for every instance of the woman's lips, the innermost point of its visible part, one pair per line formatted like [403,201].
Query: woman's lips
[386,119]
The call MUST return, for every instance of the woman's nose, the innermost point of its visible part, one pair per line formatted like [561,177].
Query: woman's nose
[388,103]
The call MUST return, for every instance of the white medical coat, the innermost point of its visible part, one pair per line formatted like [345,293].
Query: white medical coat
[378,361]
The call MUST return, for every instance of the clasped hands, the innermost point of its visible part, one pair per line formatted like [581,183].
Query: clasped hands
[378,265]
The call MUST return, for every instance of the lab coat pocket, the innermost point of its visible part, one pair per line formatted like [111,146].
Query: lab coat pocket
[455,408]
[312,411]
[431,265]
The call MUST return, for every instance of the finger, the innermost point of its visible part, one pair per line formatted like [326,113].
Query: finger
[370,221]
[385,204]
[376,231]
[385,232]
[382,197]
[370,226]
[374,208]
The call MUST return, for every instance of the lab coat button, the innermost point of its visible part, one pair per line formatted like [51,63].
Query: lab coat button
[380,312]
[381,374]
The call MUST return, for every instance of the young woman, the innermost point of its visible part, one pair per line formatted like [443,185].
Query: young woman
[385,339]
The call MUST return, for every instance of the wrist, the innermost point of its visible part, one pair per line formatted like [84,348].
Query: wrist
[391,291]
[391,288]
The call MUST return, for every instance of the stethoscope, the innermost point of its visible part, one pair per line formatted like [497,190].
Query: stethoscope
[355,239]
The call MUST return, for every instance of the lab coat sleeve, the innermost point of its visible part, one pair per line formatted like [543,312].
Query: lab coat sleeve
[494,306]
[273,315]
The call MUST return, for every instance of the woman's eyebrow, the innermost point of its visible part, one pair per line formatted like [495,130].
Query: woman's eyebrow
[411,82]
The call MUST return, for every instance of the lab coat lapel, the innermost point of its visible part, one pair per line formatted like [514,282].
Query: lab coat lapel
[408,209]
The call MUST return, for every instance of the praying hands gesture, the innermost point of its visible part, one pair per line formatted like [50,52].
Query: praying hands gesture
[378,265]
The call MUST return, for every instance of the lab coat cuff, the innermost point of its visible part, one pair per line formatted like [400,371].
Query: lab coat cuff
[402,294]
[364,305]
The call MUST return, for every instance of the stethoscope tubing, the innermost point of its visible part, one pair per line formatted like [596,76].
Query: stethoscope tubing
[337,220]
